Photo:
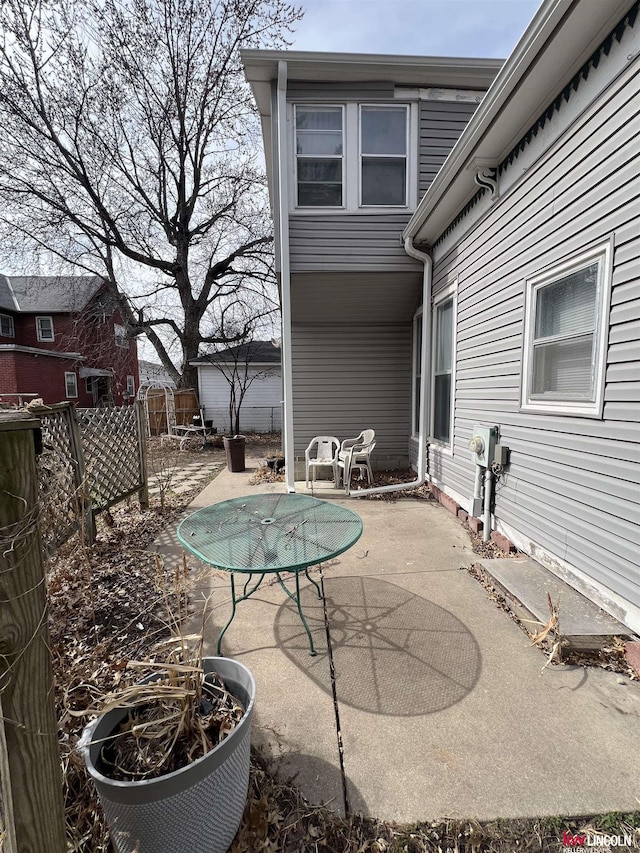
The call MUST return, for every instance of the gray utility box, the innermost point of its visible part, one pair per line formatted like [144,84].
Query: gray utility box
[482,444]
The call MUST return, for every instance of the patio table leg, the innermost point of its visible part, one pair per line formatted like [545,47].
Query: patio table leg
[235,601]
[309,578]
[296,598]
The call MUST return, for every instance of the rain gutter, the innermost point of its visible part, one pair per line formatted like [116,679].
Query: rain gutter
[285,273]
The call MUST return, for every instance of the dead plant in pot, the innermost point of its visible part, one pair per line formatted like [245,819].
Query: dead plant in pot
[169,755]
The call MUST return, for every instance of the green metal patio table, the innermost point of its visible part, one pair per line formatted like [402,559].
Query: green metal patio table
[269,534]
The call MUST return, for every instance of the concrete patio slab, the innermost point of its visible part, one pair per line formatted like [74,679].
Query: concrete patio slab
[443,706]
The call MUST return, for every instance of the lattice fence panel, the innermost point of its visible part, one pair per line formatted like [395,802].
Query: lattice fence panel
[111,445]
[58,472]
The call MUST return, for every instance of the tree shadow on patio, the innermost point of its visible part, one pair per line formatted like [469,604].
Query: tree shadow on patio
[394,652]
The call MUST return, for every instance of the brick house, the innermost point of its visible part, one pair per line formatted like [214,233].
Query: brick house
[62,338]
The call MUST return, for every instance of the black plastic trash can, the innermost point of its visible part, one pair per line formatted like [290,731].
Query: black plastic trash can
[234,448]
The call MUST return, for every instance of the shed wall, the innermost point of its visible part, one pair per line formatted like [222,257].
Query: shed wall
[573,485]
[261,410]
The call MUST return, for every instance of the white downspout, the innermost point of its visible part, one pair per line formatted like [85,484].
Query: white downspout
[285,275]
[425,357]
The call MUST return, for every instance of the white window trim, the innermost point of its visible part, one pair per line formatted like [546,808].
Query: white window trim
[12,325]
[603,253]
[416,371]
[351,159]
[67,376]
[39,331]
[131,385]
[444,295]
[405,157]
[295,159]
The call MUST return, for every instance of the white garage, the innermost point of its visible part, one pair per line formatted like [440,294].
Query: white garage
[243,381]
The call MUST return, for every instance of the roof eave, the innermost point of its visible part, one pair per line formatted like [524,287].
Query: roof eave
[521,91]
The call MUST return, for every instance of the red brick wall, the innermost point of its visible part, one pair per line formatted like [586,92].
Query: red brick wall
[40,374]
[93,337]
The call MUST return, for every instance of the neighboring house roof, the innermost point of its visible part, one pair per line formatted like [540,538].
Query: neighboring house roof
[150,371]
[556,46]
[254,352]
[54,294]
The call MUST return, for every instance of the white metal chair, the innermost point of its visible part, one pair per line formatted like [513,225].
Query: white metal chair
[355,453]
[326,454]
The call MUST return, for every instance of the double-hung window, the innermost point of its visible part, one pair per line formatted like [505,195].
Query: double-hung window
[383,156]
[6,326]
[120,335]
[71,384]
[44,328]
[443,360]
[355,156]
[319,155]
[565,336]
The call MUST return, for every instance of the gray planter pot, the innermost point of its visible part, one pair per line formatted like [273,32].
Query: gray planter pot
[196,809]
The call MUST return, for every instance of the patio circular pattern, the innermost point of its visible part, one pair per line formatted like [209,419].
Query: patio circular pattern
[394,652]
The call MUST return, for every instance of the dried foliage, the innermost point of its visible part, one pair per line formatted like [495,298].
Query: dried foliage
[548,638]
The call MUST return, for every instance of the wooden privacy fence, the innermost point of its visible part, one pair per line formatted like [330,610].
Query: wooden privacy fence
[185,403]
[90,460]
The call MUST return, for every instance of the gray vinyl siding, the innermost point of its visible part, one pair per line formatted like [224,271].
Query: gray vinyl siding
[347,378]
[310,91]
[441,123]
[573,485]
[349,242]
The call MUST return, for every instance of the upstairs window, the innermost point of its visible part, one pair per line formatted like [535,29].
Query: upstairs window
[131,386]
[354,157]
[120,334]
[565,336]
[6,326]
[319,154]
[44,328]
[383,156]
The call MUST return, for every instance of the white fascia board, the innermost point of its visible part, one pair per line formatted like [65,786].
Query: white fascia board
[421,71]
[542,63]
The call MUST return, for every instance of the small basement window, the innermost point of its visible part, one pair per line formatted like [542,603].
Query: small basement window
[566,330]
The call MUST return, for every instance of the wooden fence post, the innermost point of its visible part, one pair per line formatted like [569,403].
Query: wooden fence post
[29,752]
[143,493]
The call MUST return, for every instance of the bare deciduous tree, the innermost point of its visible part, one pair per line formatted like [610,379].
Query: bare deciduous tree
[129,150]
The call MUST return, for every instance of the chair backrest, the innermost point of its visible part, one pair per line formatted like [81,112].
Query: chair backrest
[368,436]
[326,446]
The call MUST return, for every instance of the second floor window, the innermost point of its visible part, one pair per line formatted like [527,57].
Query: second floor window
[120,334]
[44,328]
[383,156]
[319,151]
[354,156]
[6,326]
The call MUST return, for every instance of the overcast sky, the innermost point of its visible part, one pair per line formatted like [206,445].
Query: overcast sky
[488,28]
